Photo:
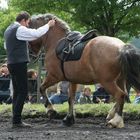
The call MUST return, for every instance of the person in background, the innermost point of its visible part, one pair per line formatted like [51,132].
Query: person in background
[4,83]
[85,97]
[137,97]
[4,72]
[78,93]
[16,36]
[62,93]
[51,90]
[32,85]
[100,95]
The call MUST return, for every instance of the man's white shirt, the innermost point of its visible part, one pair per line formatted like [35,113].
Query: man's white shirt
[28,34]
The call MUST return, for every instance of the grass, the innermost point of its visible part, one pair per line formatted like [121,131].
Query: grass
[37,110]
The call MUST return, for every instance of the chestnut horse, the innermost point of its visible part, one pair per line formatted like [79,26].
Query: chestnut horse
[106,60]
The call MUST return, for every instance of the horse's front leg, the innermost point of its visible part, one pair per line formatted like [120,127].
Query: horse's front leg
[70,118]
[48,81]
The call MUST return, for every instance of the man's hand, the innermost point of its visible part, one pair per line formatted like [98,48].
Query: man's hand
[51,23]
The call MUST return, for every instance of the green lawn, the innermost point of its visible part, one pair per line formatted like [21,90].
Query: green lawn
[35,110]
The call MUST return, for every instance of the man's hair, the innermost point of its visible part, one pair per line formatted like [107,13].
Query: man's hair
[22,15]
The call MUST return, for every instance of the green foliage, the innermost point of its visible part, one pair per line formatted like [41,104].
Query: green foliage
[33,7]
[41,6]
[7,16]
[109,17]
[61,9]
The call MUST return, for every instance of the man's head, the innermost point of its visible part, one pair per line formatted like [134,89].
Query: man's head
[23,18]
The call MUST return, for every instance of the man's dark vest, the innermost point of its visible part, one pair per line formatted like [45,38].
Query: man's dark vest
[17,50]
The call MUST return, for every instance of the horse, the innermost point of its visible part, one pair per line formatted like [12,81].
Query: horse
[105,60]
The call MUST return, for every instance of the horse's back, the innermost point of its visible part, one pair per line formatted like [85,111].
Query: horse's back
[104,48]
[107,41]
[98,61]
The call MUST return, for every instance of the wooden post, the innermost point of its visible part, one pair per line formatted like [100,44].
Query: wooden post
[40,69]
[38,81]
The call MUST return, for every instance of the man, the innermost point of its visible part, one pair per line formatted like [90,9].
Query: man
[100,95]
[62,93]
[85,97]
[4,83]
[16,37]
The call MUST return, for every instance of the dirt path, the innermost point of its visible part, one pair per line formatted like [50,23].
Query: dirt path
[84,129]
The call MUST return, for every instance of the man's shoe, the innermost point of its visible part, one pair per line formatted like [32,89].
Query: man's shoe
[21,125]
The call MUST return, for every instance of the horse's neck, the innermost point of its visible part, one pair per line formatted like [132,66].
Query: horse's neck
[53,41]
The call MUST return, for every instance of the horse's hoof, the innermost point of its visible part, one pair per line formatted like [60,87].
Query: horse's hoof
[51,114]
[109,125]
[68,120]
[112,124]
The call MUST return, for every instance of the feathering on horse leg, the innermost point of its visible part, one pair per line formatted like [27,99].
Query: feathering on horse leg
[110,90]
[111,113]
[122,84]
[70,118]
[117,120]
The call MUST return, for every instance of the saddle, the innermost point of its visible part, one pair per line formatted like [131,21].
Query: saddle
[70,48]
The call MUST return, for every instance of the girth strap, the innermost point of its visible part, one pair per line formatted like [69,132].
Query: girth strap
[62,68]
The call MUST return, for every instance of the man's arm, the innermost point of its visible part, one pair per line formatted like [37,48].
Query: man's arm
[28,34]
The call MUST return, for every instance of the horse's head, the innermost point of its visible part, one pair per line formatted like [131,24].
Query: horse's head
[52,36]
[36,22]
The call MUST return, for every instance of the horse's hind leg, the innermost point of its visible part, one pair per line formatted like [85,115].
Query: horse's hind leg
[111,113]
[115,114]
[70,118]
[48,81]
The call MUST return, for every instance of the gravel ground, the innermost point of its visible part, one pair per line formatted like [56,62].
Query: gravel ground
[83,129]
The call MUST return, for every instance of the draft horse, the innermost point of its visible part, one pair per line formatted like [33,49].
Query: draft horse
[106,60]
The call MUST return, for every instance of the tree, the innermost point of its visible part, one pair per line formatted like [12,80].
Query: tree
[109,17]
[7,16]
[62,9]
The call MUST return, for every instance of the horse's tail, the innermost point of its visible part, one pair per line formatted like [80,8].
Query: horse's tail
[130,65]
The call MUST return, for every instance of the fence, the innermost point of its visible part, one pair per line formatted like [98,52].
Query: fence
[40,69]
